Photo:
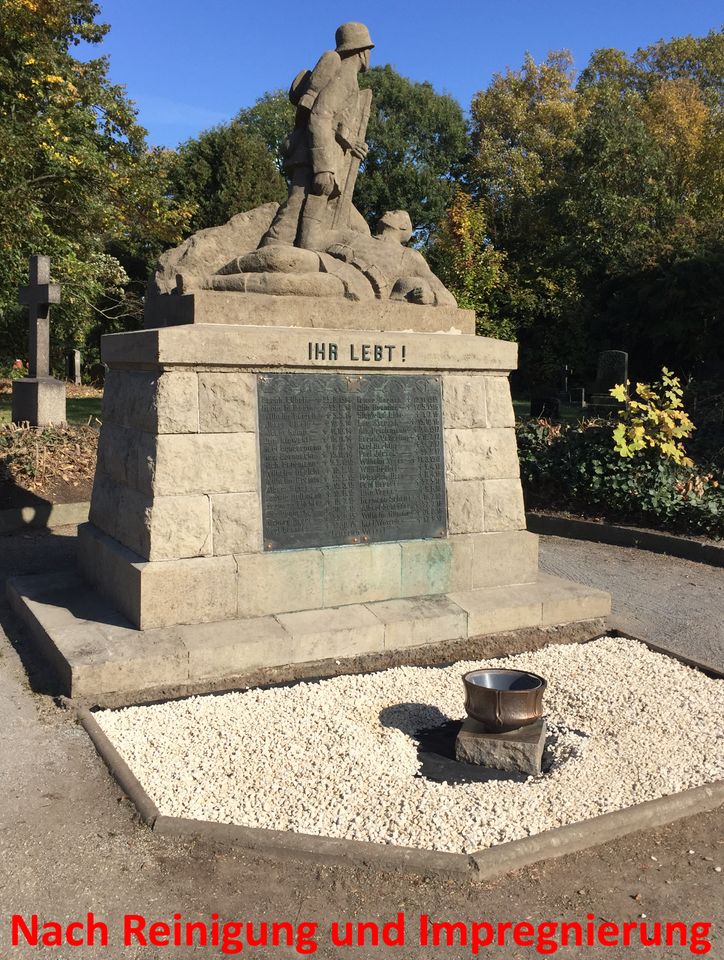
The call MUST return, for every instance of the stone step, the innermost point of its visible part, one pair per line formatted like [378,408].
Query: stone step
[99,655]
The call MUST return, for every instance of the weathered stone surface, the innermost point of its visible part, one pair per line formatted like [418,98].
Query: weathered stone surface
[340,632]
[414,622]
[234,646]
[465,506]
[150,402]
[461,564]
[215,344]
[236,519]
[503,558]
[119,511]
[464,402]
[503,507]
[178,527]
[227,402]
[565,601]
[205,463]
[118,454]
[427,567]
[279,581]
[495,609]
[156,594]
[208,250]
[266,310]
[39,401]
[500,411]
[481,454]
[361,573]
[518,751]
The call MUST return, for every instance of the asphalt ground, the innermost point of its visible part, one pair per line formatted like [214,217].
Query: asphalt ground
[70,843]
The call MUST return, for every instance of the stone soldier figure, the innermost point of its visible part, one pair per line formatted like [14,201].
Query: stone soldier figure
[326,145]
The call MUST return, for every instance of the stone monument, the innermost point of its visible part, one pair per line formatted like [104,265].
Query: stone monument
[39,399]
[307,454]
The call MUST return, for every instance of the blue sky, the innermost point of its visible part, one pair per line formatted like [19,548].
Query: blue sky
[189,64]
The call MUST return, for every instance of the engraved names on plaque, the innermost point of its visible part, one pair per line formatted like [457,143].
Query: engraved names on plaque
[350,459]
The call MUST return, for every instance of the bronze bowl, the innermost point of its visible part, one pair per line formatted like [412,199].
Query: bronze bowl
[504,699]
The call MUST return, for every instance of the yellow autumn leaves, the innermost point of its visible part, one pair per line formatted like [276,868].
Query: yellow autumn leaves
[653,417]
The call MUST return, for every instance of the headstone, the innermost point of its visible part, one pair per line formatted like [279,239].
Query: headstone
[73,360]
[39,399]
[612,370]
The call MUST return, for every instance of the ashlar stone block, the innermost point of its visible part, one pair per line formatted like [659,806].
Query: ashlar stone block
[481,454]
[361,573]
[152,402]
[340,632]
[465,506]
[227,402]
[158,594]
[420,620]
[204,463]
[499,405]
[464,401]
[503,507]
[279,581]
[504,558]
[236,519]
[427,567]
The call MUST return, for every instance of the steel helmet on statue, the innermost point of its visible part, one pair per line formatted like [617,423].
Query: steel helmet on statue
[352,36]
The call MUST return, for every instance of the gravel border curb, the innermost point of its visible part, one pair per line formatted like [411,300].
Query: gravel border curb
[36,516]
[117,766]
[618,536]
[481,865]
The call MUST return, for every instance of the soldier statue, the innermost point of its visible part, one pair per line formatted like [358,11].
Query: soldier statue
[323,151]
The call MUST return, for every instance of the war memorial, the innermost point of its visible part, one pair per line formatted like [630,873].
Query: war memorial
[307,468]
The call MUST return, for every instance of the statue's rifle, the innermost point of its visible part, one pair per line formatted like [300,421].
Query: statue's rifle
[344,203]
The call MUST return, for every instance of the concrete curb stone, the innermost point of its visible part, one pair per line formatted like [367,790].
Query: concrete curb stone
[618,536]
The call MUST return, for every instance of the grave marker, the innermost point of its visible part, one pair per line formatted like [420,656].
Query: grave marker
[39,399]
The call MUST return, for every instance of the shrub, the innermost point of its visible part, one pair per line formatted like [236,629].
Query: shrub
[577,468]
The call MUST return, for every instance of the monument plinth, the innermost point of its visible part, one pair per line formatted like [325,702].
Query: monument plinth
[307,454]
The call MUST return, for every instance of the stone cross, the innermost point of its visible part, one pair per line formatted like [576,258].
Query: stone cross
[37,297]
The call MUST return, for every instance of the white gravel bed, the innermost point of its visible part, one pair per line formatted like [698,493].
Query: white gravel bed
[624,725]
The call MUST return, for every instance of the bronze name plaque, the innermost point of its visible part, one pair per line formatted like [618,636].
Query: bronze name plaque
[350,459]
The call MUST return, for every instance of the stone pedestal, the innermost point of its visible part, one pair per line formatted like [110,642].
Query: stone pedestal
[39,401]
[175,533]
[519,751]
[193,592]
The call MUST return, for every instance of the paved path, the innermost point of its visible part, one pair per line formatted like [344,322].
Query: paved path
[674,603]
[69,842]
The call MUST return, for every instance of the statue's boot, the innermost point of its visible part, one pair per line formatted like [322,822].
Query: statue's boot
[314,226]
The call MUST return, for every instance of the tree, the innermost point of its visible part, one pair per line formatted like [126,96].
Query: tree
[606,198]
[418,142]
[463,257]
[225,171]
[75,172]
[269,120]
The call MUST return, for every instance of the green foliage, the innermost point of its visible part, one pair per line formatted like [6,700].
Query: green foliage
[656,420]
[74,170]
[606,197]
[269,120]
[468,264]
[576,468]
[417,140]
[225,171]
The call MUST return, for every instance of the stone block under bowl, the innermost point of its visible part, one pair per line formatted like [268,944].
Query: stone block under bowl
[503,700]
